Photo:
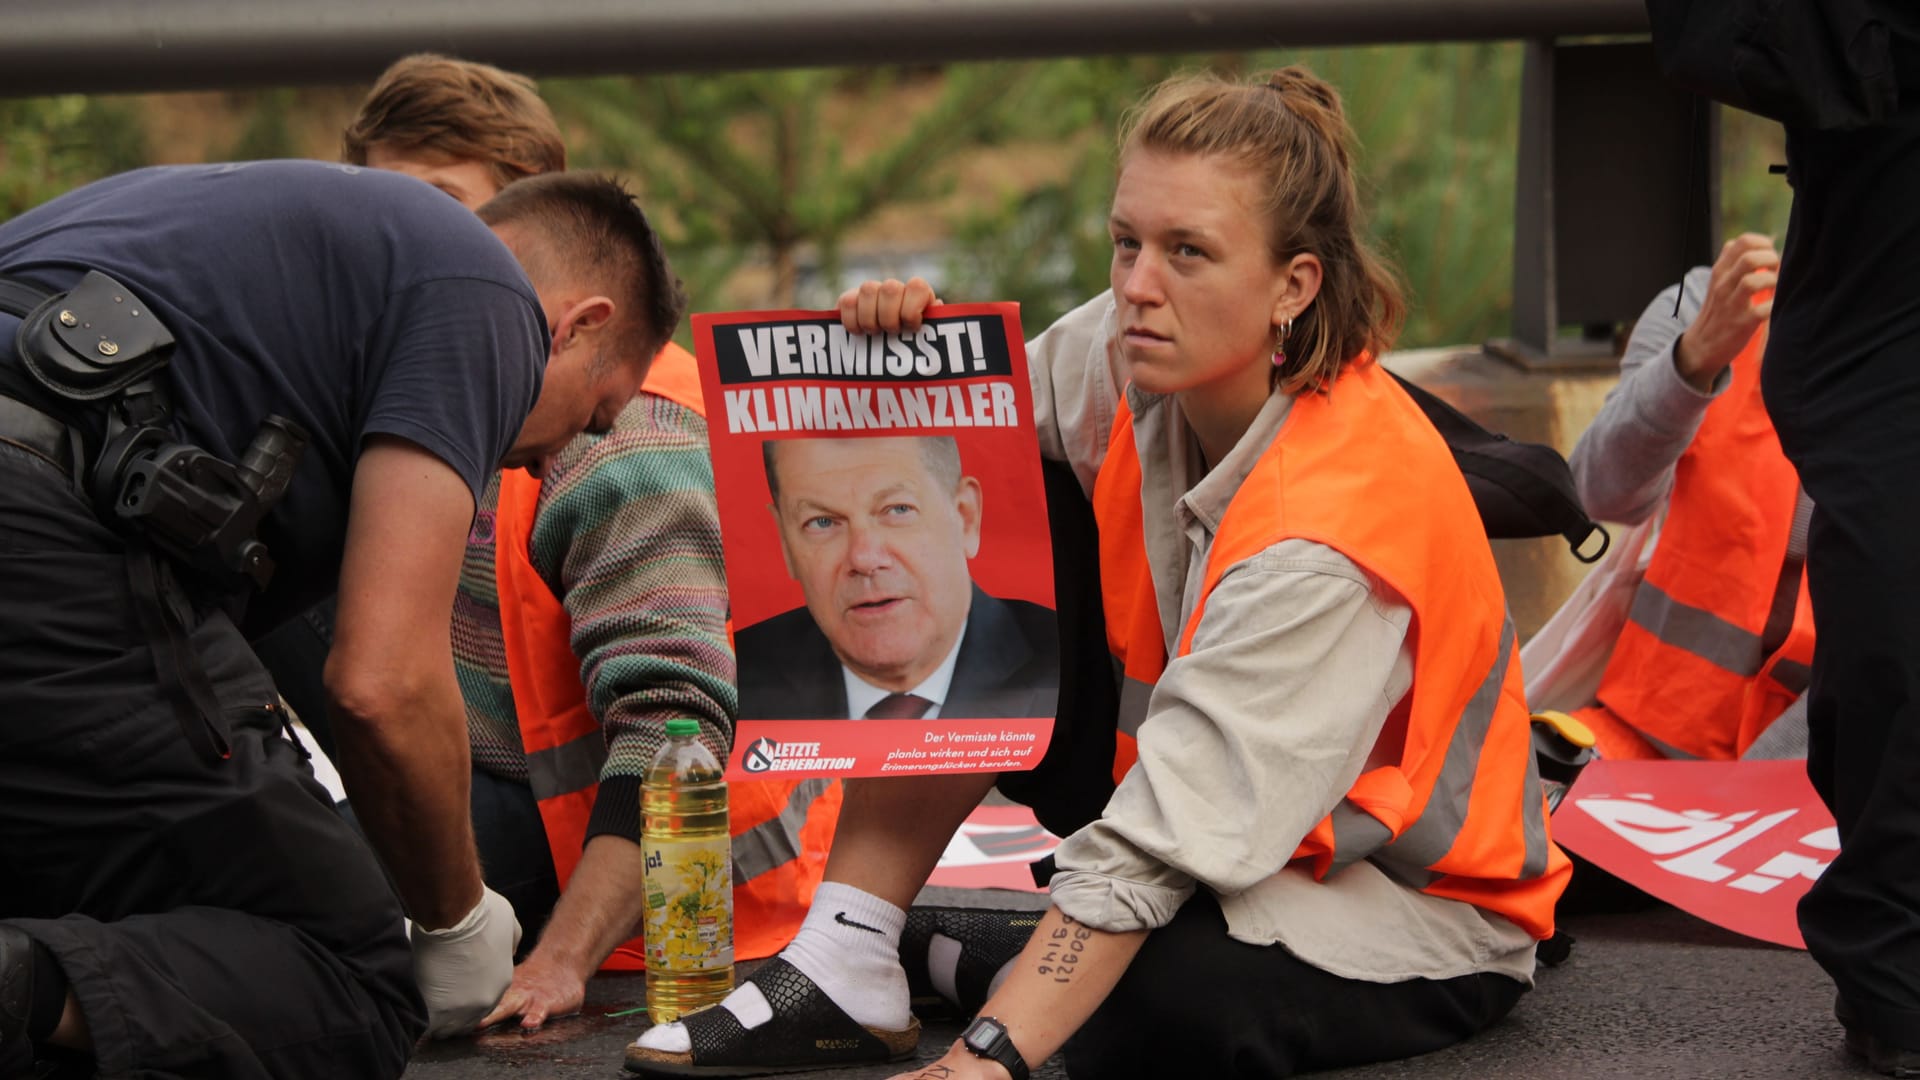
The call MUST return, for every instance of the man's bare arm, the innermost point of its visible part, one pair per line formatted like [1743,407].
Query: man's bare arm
[397,710]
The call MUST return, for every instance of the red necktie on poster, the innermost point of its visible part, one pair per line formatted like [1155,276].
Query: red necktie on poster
[899,707]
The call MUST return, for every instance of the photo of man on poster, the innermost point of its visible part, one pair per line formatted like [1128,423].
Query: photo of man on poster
[878,532]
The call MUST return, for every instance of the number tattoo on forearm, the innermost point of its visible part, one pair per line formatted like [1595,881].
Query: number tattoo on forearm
[1064,949]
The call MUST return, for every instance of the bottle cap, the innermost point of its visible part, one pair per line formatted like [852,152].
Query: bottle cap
[683,726]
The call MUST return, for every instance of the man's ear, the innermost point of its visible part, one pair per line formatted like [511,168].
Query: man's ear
[967,503]
[582,320]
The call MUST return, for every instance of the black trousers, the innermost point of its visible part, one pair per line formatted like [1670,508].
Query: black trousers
[1842,383]
[295,654]
[1195,1002]
[213,918]
[515,860]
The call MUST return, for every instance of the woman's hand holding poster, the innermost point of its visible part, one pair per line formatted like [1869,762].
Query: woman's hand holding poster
[887,552]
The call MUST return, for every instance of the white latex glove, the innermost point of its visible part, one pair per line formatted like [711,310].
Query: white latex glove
[463,970]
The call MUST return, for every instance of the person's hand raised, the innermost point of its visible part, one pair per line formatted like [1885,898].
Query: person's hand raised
[1733,310]
[872,307]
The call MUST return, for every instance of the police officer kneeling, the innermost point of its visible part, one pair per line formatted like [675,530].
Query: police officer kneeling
[224,391]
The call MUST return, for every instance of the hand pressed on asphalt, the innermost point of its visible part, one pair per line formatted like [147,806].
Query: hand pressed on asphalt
[542,989]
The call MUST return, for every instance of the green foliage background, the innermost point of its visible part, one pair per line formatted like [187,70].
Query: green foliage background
[770,176]
[49,145]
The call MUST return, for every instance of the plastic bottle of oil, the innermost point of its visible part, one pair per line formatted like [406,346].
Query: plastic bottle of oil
[689,877]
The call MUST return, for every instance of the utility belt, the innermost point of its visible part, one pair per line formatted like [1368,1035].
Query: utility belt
[185,514]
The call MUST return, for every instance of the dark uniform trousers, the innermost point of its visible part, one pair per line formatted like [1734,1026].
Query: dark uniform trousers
[1842,384]
[214,918]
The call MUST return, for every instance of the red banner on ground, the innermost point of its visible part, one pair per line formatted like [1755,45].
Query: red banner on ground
[995,849]
[1737,843]
[884,524]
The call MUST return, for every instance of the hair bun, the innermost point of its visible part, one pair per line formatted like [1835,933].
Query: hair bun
[1298,81]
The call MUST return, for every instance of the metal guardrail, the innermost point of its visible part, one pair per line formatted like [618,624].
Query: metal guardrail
[97,46]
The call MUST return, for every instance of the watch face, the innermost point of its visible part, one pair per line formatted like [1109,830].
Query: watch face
[980,1035]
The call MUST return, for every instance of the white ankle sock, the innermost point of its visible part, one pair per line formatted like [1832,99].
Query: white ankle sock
[849,946]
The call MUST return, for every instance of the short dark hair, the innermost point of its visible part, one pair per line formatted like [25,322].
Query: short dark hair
[461,110]
[591,222]
[940,452]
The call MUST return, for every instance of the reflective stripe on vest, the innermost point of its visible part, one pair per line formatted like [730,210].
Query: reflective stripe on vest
[1719,637]
[781,829]
[1458,812]
[571,766]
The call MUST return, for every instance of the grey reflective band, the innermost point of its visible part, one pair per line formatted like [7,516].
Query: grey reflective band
[1785,738]
[1696,630]
[1802,526]
[1792,675]
[1134,696]
[571,766]
[575,766]
[1358,835]
[1714,639]
[1668,750]
[776,841]
[1786,590]
[1533,820]
[1432,835]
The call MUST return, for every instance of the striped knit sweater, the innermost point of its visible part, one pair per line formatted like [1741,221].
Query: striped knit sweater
[628,536]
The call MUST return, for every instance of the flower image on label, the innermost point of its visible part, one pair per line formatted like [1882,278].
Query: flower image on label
[689,921]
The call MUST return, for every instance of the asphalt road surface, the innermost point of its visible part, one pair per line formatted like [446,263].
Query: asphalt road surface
[1650,994]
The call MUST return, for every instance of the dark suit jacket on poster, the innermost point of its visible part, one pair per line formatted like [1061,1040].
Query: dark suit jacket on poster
[1009,666]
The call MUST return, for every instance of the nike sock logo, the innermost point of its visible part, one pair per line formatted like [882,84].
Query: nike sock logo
[841,918]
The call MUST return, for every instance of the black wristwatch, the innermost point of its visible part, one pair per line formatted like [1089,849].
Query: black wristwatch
[988,1038]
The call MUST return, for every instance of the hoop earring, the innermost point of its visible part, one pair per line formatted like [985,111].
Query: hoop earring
[1280,343]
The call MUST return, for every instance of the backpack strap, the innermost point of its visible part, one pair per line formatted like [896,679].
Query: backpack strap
[1521,489]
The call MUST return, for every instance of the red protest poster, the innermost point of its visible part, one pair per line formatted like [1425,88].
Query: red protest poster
[1737,843]
[886,542]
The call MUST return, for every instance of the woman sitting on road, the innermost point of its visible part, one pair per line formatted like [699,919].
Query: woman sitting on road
[1328,845]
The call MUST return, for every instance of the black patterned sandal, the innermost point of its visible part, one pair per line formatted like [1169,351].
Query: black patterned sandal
[807,1032]
[988,938]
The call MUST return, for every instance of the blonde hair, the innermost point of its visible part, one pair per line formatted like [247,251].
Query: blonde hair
[1292,134]
[460,110]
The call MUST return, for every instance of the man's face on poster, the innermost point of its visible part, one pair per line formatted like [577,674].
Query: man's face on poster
[878,533]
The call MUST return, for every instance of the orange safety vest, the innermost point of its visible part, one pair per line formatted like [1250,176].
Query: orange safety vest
[1459,812]
[1719,640]
[781,829]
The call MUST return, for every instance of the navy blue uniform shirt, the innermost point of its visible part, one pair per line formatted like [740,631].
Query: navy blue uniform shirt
[354,301]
